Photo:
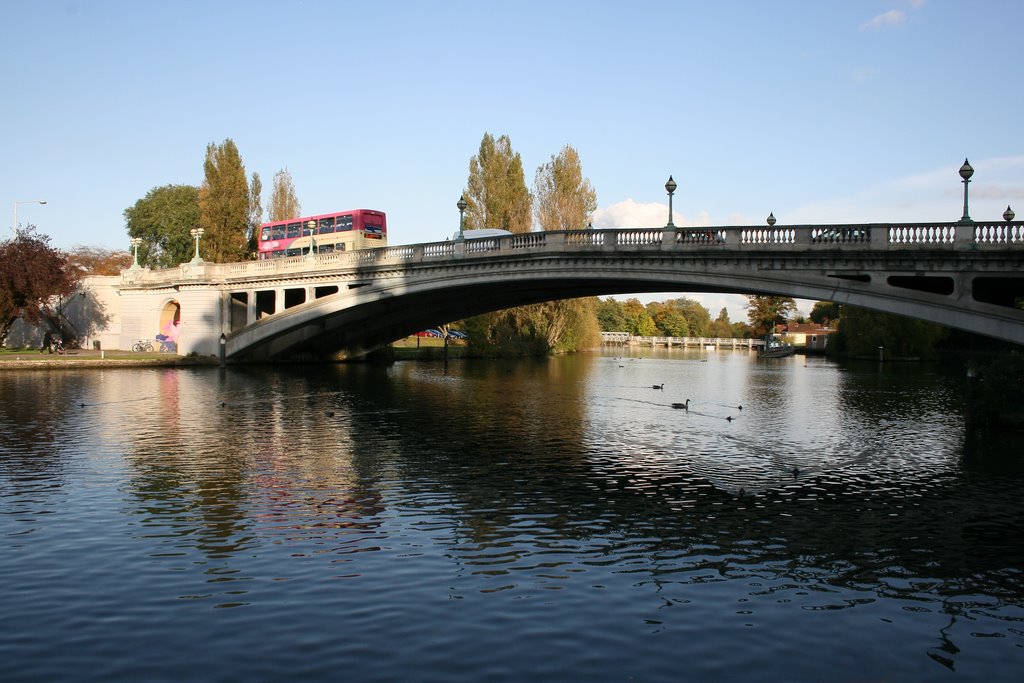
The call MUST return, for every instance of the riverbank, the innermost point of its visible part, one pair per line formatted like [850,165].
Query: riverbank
[31,359]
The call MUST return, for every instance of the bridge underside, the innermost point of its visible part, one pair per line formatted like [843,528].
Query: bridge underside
[380,305]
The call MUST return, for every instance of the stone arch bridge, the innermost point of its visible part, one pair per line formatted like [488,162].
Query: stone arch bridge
[965,275]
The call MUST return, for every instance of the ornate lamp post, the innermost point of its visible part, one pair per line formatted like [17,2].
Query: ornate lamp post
[462,204]
[135,241]
[196,233]
[670,186]
[311,225]
[14,225]
[966,172]
[1008,214]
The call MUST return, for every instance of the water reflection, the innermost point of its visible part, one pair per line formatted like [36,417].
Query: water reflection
[833,494]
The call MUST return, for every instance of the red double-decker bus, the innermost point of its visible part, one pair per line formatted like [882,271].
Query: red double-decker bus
[329,232]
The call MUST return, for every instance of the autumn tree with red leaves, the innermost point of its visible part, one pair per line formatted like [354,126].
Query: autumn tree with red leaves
[32,273]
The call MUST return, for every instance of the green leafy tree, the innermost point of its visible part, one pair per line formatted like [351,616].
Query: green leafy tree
[720,327]
[565,199]
[640,322]
[284,204]
[163,219]
[765,312]
[224,206]
[496,195]
[861,331]
[826,313]
[32,274]
[611,316]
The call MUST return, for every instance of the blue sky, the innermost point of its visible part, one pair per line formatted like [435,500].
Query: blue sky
[861,110]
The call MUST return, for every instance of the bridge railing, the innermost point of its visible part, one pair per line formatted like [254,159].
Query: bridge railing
[865,237]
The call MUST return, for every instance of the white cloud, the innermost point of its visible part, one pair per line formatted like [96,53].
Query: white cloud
[631,214]
[891,18]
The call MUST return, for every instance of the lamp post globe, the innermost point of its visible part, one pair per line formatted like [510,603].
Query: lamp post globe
[670,187]
[1008,214]
[311,226]
[966,171]
[462,204]
[135,242]
[771,219]
[197,233]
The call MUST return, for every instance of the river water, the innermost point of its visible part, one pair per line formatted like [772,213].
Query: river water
[543,520]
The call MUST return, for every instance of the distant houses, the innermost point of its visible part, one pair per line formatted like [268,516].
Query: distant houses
[807,337]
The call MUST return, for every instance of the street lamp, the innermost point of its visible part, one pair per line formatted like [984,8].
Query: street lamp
[966,172]
[196,233]
[462,204]
[671,187]
[135,241]
[1008,214]
[311,225]
[771,219]
[14,226]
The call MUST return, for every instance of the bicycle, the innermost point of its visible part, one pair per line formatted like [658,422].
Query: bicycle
[143,345]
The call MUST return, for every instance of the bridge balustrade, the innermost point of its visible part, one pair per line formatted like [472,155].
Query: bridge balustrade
[438,249]
[922,234]
[859,237]
[1000,233]
[586,238]
[529,240]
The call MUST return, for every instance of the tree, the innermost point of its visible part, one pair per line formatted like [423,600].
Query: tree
[565,199]
[224,207]
[162,219]
[639,320]
[721,328]
[32,273]
[669,319]
[861,331]
[255,212]
[610,316]
[283,202]
[826,313]
[765,312]
[98,260]
[496,195]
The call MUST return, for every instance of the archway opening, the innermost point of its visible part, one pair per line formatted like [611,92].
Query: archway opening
[170,319]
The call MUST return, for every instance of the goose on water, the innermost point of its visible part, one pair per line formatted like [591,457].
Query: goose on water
[657,386]
[682,406]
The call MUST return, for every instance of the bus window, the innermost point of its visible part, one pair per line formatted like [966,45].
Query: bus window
[324,248]
[278,254]
[344,222]
[293,252]
[326,225]
[374,232]
[277,231]
[295,230]
[265,234]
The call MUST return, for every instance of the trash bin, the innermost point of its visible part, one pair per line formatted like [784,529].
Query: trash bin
[96,344]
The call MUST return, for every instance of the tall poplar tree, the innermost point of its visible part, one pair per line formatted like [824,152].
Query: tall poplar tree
[255,212]
[497,195]
[283,202]
[565,199]
[224,204]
